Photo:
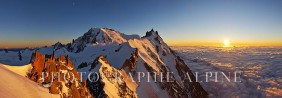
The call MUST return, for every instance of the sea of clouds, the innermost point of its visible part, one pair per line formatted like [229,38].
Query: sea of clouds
[261,69]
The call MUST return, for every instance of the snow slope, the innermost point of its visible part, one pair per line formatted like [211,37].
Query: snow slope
[21,70]
[16,86]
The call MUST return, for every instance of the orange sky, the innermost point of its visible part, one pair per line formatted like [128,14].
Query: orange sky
[221,43]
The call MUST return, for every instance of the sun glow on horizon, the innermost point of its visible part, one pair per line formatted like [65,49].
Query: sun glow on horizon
[226,43]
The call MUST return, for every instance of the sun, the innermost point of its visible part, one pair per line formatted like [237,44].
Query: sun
[226,43]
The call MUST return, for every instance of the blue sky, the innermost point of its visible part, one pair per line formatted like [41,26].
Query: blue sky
[26,23]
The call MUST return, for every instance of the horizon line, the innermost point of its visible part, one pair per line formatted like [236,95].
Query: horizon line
[171,45]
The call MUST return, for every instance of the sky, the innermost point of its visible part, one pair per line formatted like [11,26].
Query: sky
[32,23]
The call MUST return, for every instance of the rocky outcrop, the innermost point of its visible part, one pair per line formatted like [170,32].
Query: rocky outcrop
[131,62]
[112,83]
[59,75]
[191,86]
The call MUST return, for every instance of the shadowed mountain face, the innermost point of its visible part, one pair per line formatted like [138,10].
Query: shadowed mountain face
[107,52]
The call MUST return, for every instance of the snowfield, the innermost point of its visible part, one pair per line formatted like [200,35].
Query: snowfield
[16,86]
[21,70]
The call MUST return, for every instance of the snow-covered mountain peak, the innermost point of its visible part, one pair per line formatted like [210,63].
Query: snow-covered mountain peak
[94,29]
[152,33]
[96,36]
[58,45]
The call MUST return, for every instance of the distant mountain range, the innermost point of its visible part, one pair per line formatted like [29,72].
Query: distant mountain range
[107,52]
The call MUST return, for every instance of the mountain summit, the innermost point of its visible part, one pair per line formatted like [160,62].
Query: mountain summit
[99,36]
